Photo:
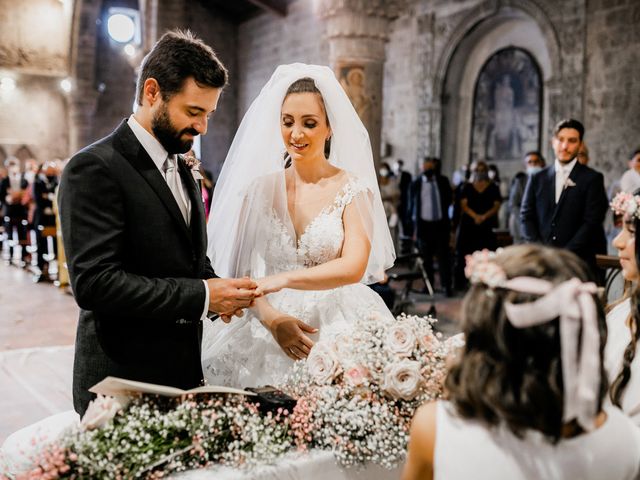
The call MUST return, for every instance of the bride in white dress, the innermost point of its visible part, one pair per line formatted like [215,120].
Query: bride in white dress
[310,227]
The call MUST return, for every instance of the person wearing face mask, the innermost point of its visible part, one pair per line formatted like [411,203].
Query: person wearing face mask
[390,197]
[44,187]
[430,198]
[479,203]
[13,190]
[533,162]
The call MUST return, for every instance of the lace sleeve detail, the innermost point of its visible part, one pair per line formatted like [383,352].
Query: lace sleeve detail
[352,189]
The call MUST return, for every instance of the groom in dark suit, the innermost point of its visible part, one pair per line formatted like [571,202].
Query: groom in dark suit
[564,204]
[134,231]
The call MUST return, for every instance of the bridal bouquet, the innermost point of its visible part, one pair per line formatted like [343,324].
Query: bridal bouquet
[357,392]
[356,395]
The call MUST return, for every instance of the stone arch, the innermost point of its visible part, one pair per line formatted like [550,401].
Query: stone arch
[489,27]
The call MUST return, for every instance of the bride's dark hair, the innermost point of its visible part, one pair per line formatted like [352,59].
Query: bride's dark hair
[308,85]
[619,384]
[513,376]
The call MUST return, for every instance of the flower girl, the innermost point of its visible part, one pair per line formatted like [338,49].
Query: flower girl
[525,396]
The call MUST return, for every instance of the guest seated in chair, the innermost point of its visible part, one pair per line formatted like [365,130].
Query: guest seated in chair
[525,396]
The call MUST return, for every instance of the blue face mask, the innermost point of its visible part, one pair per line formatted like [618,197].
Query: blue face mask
[532,170]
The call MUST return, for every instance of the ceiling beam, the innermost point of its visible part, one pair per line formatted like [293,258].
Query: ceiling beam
[273,6]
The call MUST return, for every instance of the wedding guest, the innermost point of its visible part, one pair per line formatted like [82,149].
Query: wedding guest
[44,220]
[583,154]
[479,202]
[623,320]
[390,192]
[525,396]
[534,162]
[630,180]
[431,196]
[404,212]
[13,190]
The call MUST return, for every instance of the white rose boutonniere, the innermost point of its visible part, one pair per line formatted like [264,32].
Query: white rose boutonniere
[194,165]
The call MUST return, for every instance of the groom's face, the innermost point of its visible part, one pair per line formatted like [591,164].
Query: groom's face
[177,120]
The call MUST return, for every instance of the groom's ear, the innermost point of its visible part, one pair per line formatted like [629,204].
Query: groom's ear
[151,90]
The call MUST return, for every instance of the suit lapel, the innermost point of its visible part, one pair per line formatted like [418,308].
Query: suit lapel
[197,223]
[141,161]
[573,176]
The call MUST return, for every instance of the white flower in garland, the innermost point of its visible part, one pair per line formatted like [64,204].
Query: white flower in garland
[400,339]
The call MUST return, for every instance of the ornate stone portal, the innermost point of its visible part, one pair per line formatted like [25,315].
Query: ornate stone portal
[357,31]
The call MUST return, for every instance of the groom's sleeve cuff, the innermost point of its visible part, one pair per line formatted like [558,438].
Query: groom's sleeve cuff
[206,301]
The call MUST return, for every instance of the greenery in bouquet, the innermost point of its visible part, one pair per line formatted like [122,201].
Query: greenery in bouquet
[358,391]
[356,395]
[154,436]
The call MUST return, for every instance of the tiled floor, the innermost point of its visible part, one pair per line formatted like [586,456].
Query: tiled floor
[37,331]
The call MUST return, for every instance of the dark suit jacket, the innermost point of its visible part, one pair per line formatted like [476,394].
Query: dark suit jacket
[135,267]
[446,196]
[575,223]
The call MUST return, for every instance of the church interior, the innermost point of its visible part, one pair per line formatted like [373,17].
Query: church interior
[449,85]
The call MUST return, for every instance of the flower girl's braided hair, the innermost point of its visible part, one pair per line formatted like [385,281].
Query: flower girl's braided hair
[517,368]
[628,206]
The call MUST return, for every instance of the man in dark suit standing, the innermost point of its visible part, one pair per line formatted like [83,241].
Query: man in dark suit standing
[430,199]
[134,230]
[404,212]
[564,204]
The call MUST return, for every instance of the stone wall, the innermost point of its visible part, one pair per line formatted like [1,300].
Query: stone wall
[612,84]
[267,41]
[34,52]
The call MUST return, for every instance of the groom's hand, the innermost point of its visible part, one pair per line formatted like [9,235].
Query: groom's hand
[228,296]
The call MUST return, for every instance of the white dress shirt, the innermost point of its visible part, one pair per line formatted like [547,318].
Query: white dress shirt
[428,211]
[158,154]
[562,175]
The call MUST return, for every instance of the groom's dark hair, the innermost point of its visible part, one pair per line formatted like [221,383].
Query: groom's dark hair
[177,56]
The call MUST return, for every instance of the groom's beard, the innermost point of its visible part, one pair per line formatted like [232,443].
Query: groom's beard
[168,135]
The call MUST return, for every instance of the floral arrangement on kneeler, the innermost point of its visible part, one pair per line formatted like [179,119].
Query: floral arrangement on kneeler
[355,395]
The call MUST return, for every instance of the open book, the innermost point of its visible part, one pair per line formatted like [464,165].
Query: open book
[115,387]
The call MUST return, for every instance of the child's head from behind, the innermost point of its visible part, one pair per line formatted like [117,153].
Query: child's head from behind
[514,375]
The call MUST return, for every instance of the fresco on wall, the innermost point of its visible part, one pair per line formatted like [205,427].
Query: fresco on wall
[353,80]
[507,107]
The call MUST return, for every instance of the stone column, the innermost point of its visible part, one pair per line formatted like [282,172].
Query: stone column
[357,31]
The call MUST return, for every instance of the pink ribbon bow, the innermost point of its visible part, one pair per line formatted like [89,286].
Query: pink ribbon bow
[572,301]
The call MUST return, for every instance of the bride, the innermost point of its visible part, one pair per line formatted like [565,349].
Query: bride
[299,209]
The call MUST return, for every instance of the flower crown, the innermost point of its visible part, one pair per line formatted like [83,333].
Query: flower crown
[480,268]
[626,204]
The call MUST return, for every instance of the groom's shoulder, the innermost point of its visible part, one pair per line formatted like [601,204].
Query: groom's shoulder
[103,151]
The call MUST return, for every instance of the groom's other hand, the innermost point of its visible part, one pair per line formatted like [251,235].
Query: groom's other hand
[229,296]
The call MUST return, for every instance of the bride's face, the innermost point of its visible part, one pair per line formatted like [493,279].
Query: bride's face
[304,127]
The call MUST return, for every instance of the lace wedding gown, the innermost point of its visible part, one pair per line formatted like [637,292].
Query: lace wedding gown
[243,353]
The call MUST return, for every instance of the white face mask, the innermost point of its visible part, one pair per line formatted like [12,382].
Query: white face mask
[384,172]
[492,174]
[532,170]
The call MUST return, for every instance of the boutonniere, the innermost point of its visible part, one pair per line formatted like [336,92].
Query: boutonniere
[569,183]
[194,165]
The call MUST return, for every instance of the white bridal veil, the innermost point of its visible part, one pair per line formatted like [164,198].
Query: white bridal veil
[251,189]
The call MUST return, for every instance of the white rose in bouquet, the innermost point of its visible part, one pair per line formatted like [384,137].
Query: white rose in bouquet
[322,364]
[100,411]
[400,339]
[403,379]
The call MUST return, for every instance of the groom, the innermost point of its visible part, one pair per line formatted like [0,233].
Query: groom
[134,233]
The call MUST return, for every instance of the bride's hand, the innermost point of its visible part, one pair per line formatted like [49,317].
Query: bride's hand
[289,332]
[271,284]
